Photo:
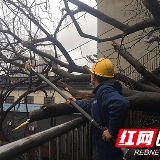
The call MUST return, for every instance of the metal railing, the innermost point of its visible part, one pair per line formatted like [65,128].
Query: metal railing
[73,142]
[151,60]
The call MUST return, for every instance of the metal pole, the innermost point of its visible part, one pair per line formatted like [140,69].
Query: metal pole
[40,156]
[58,148]
[66,145]
[82,142]
[51,150]
[78,143]
[51,143]
[87,141]
[72,145]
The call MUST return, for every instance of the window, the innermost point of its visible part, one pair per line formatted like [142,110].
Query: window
[48,100]
[30,100]
[10,99]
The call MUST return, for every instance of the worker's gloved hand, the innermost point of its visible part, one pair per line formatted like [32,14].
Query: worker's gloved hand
[106,136]
[69,102]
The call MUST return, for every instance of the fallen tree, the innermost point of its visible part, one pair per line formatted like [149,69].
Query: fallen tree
[26,36]
[139,101]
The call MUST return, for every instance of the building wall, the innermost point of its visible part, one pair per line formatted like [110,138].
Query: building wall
[39,95]
[114,9]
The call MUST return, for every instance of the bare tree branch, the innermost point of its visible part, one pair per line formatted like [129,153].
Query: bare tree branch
[137,65]
[100,15]
[153,6]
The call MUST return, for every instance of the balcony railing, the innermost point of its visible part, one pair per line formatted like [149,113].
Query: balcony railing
[73,142]
[151,60]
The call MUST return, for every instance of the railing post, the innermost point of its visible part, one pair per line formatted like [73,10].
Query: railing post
[78,144]
[72,144]
[87,141]
[40,156]
[91,144]
[51,150]
[51,142]
[83,142]
[66,146]
[58,148]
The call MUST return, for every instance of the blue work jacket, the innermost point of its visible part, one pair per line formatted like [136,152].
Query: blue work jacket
[109,109]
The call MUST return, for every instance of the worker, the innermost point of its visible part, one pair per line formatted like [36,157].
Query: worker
[109,109]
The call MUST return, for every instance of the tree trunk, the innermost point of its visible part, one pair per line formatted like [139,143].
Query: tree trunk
[137,65]
[51,111]
[140,101]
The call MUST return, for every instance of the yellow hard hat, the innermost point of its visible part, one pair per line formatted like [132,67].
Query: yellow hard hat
[103,67]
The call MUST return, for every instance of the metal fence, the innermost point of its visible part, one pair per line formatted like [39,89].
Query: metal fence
[73,142]
[151,60]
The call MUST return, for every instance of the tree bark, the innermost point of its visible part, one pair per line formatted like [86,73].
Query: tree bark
[67,77]
[134,85]
[140,101]
[75,93]
[48,111]
[154,7]
[145,101]
[137,65]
